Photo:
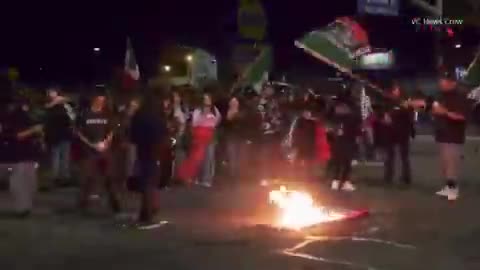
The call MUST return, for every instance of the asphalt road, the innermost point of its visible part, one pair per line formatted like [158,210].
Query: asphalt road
[221,228]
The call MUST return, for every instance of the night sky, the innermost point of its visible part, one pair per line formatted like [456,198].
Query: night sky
[60,37]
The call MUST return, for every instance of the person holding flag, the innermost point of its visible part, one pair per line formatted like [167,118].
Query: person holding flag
[450,112]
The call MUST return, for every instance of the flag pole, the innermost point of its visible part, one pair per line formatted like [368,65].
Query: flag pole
[477,56]
[246,71]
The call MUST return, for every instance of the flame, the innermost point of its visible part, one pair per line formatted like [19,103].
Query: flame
[298,209]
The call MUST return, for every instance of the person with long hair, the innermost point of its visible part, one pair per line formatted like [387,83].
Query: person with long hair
[201,157]
[167,152]
[235,137]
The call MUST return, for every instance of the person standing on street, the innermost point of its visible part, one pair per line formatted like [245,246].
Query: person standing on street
[19,153]
[167,159]
[234,133]
[270,137]
[397,121]
[346,121]
[449,112]
[148,133]
[205,121]
[58,134]
[95,130]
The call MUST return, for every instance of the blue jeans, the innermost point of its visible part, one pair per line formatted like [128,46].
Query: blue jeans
[60,158]
[207,170]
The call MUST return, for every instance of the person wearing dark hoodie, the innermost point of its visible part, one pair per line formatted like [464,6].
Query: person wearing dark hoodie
[59,120]
[346,127]
[148,133]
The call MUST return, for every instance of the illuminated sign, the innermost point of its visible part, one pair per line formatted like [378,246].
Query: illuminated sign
[377,60]
[378,7]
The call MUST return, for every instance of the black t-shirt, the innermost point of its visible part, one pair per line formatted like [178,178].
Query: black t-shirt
[235,128]
[402,126]
[346,126]
[95,126]
[57,125]
[446,129]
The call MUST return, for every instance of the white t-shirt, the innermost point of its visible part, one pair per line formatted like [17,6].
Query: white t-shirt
[211,119]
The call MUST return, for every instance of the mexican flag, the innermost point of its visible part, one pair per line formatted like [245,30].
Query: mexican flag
[256,73]
[338,44]
[131,69]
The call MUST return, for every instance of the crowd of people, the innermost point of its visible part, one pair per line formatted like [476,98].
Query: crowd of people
[162,139]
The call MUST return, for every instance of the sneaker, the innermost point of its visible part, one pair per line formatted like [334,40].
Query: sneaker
[151,225]
[207,185]
[453,194]
[443,192]
[335,185]
[348,186]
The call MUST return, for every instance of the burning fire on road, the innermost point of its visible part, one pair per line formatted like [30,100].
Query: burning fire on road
[298,210]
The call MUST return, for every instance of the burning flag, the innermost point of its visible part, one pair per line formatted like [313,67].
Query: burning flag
[298,210]
[131,69]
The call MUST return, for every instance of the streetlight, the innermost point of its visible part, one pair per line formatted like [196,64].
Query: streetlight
[96,49]
[189,59]
[458,45]
[167,68]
